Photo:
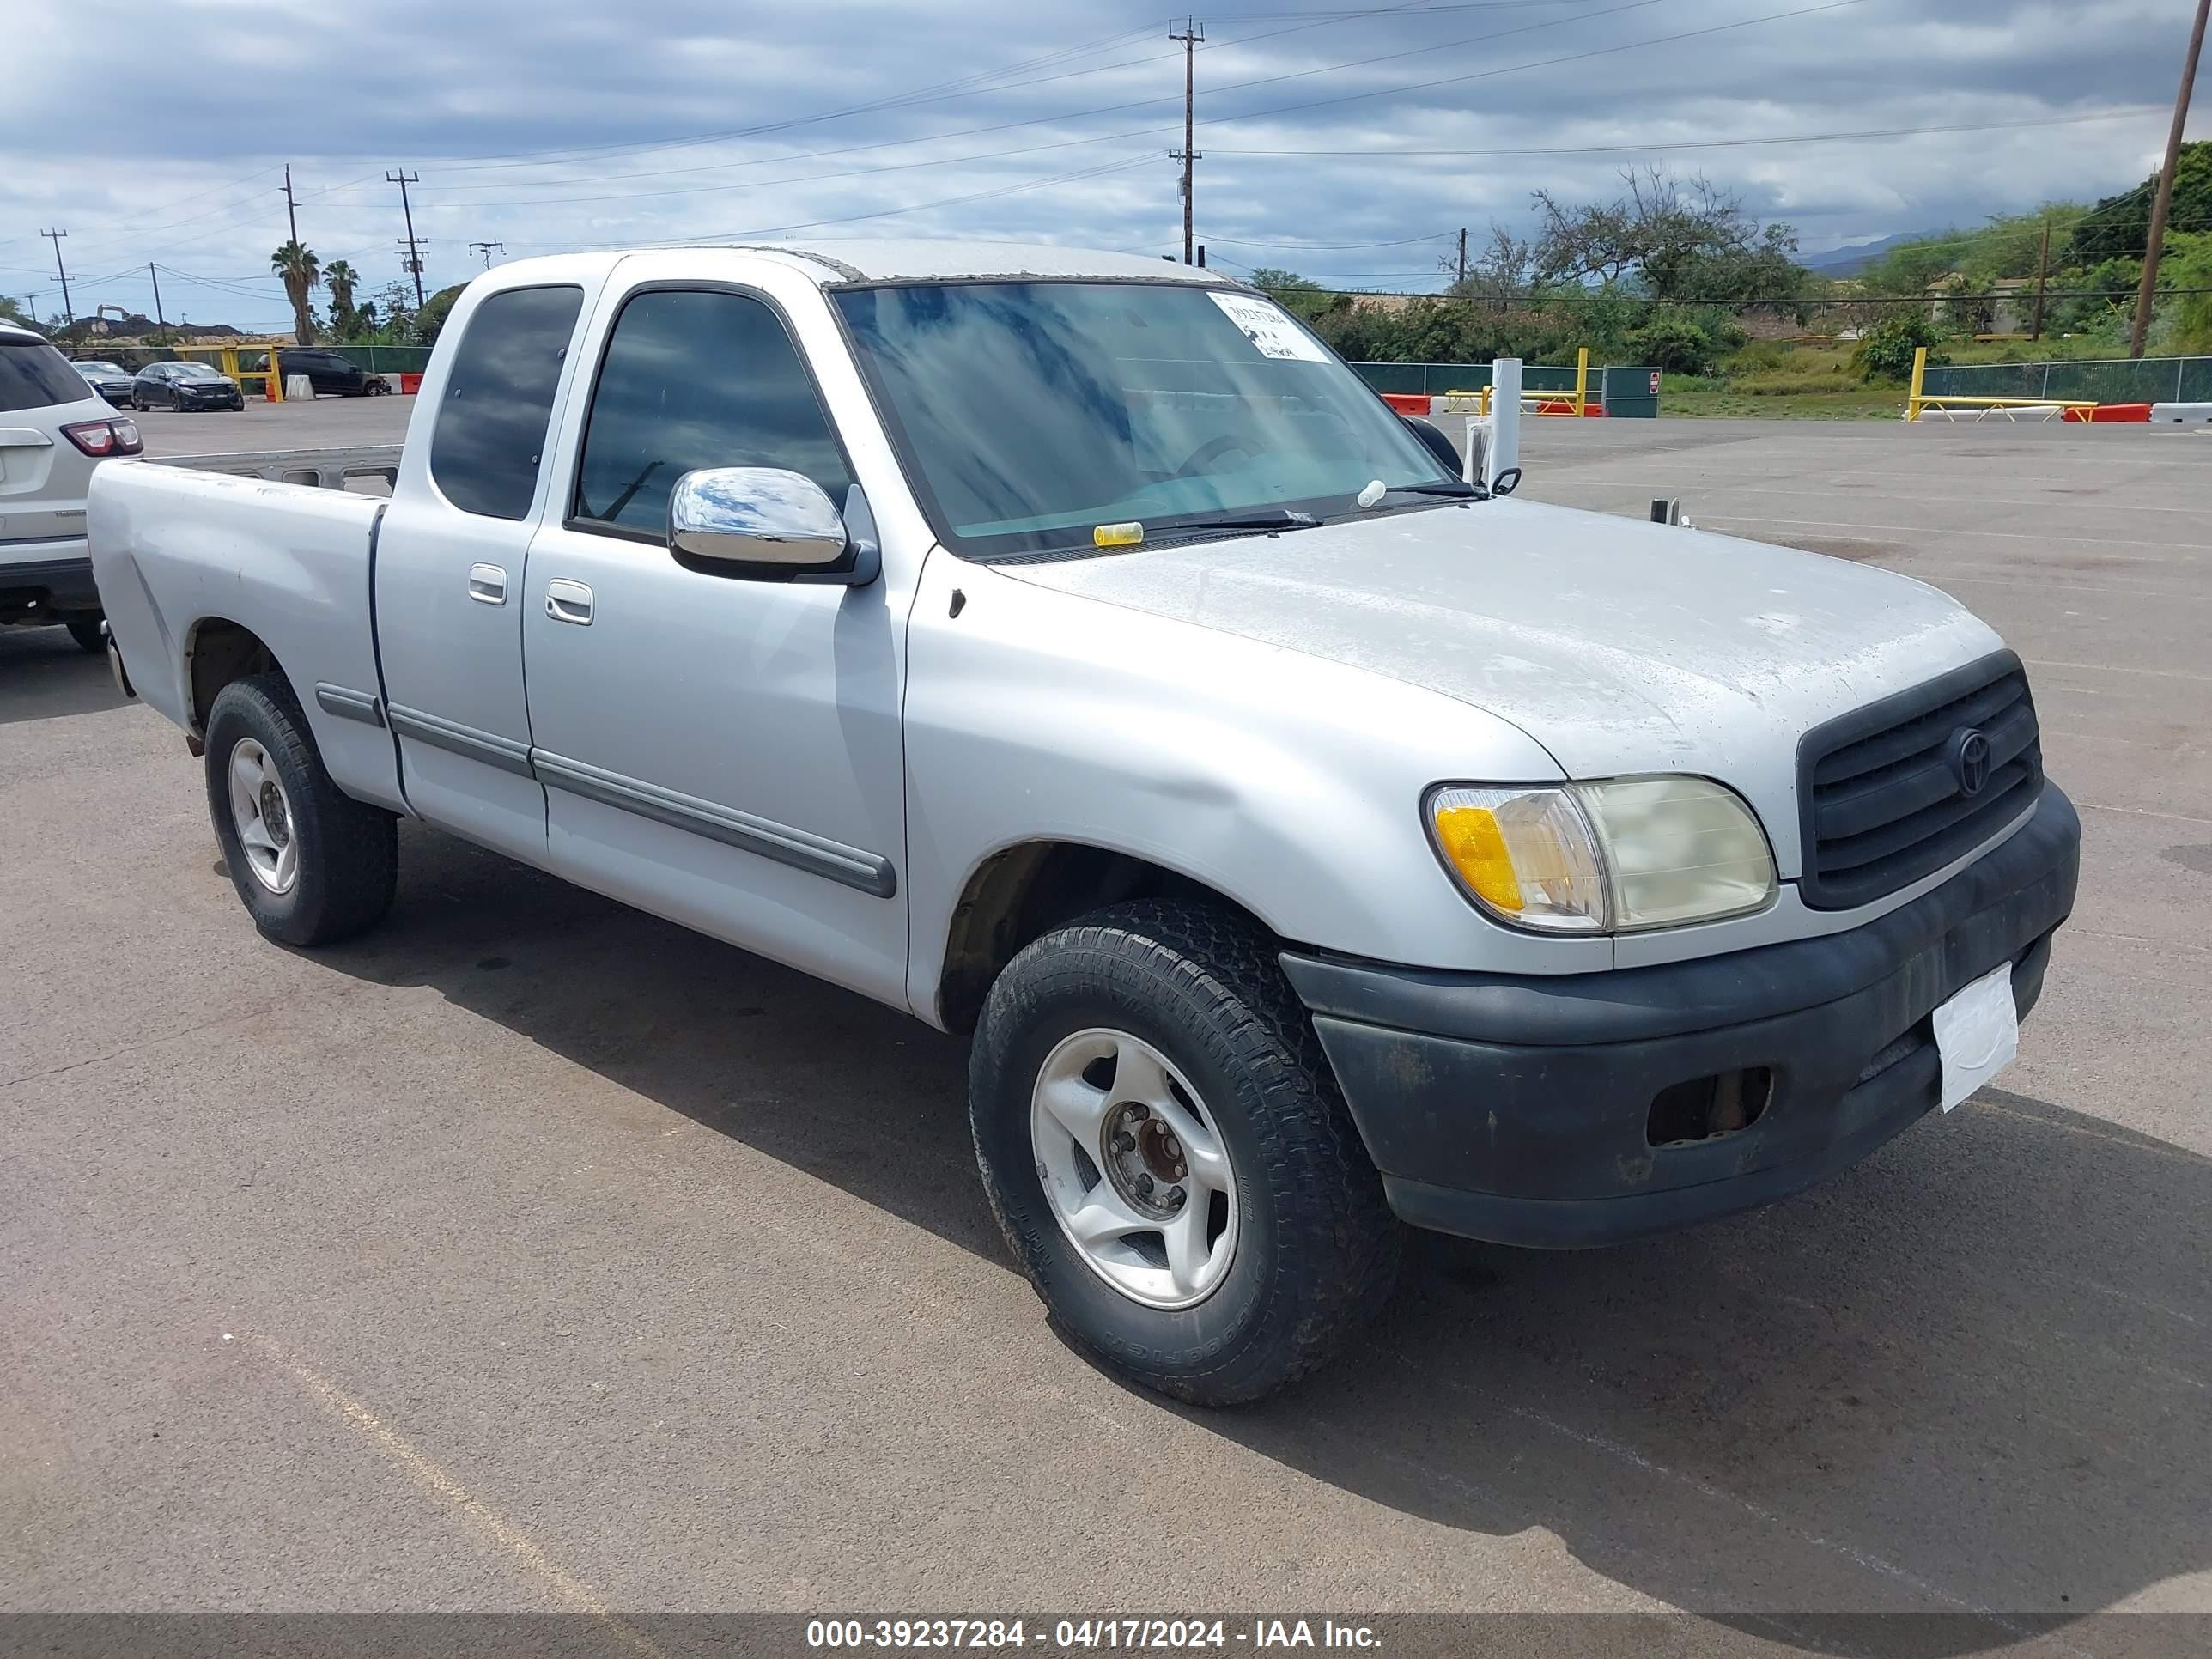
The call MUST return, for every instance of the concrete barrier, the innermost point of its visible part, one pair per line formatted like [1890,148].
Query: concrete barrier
[2181,414]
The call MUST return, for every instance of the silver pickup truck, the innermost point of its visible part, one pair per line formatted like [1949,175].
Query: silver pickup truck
[1066,648]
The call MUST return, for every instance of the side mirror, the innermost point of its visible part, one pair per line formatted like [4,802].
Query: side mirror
[762,522]
[1435,439]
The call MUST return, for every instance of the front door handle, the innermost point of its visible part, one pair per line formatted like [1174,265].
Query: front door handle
[488,584]
[569,602]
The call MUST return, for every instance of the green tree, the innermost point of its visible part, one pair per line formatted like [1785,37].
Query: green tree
[431,318]
[1299,296]
[12,312]
[301,270]
[339,278]
[2119,227]
[2184,320]
[1670,238]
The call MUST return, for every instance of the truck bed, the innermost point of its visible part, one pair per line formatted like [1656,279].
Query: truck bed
[176,548]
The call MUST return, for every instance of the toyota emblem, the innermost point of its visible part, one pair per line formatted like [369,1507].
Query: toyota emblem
[1970,761]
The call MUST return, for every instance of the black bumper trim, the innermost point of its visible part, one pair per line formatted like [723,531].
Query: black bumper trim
[1517,1110]
[68,583]
[1672,999]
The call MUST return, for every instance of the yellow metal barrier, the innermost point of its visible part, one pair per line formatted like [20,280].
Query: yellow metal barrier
[1917,399]
[227,359]
[1579,398]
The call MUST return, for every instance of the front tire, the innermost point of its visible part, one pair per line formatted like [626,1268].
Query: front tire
[1133,1065]
[311,864]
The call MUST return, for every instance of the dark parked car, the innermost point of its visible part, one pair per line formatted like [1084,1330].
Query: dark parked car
[333,375]
[182,385]
[110,380]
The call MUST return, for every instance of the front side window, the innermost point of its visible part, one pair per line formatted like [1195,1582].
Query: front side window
[498,403]
[696,377]
[1035,414]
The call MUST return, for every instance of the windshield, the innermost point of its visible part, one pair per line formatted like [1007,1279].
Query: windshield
[194,372]
[1036,416]
[98,368]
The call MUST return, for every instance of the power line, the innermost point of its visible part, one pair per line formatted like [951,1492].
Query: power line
[1149,103]
[856,218]
[1718,143]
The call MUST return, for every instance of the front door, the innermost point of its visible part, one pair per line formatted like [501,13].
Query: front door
[722,751]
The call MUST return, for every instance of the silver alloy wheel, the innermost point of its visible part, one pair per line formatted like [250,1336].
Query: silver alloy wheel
[1134,1169]
[262,813]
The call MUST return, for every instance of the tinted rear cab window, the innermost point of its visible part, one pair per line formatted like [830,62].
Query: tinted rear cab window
[498,403]
[34,375]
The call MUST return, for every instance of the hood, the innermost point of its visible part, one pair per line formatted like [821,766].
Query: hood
[1621,646]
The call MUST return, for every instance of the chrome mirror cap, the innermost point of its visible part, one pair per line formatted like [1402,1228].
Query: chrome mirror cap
[762,516]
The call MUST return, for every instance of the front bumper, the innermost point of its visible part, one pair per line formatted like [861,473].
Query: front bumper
[1519,1108]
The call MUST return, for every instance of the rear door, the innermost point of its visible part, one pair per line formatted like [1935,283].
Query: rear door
[448,563]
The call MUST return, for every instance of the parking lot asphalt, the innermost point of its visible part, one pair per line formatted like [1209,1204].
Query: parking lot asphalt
[335,422]
[534,1253]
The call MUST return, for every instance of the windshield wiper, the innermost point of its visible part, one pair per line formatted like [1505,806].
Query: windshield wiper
[1454,488]
[1272,518]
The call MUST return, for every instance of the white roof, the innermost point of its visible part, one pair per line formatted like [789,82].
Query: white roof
[877,261]
[858,260]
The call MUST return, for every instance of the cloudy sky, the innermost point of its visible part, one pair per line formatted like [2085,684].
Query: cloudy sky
[1349,144]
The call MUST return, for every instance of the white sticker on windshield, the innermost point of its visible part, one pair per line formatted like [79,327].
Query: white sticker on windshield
[1268,326]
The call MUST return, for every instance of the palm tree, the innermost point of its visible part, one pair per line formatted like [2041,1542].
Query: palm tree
[300,270]
[339,277]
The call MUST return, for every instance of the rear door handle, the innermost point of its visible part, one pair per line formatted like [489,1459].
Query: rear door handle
[488,584]
[569,602]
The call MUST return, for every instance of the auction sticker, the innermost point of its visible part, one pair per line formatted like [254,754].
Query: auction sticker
[1268,326]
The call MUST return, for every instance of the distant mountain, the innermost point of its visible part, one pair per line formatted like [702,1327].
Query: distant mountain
[1849,261]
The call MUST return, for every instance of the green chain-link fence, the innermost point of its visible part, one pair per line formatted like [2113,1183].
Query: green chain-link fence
[2117,380]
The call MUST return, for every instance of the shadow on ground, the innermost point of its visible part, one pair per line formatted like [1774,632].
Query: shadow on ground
[1970,1377]
[45,674]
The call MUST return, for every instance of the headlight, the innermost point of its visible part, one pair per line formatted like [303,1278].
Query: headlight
[1588,858]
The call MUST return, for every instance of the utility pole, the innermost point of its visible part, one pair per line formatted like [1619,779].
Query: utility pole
[414,252]
[291,207]
[1190,36]
[1462,283]
[156,281]
[487,249]
[2164,200]
[2042,278]
[55,237]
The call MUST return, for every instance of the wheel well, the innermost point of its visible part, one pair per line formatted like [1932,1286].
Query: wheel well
[219,652]
[1021,894]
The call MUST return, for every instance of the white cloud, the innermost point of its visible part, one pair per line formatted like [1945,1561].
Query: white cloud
[555,123]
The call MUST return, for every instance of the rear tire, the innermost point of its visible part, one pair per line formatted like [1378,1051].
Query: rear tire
[1301,1249]
[88,638]
[311,864]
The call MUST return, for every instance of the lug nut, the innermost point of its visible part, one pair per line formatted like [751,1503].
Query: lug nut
[1144,1183]
[1180,1170]
[1138,1110]
[1175,1198]
[1125,1142]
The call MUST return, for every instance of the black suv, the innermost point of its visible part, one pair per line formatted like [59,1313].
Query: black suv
[332,374]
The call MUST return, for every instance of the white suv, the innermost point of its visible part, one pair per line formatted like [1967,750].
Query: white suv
[54,429]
